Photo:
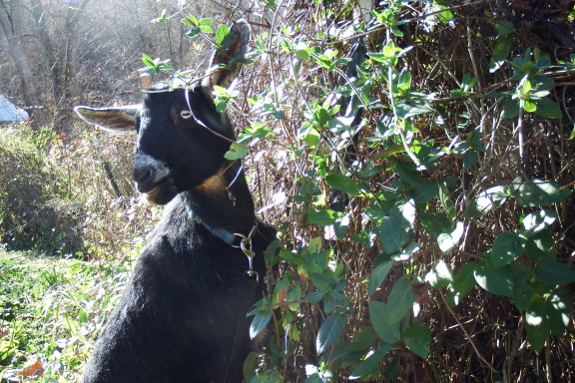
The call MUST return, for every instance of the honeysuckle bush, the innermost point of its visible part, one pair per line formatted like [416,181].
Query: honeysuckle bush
[449,236]
[416,159]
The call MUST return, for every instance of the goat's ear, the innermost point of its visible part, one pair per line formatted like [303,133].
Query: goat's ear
[117,119]
[227,61]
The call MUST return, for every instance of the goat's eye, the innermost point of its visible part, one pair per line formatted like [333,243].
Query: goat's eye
[186,114]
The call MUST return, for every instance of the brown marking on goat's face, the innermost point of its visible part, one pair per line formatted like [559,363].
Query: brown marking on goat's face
[214,184]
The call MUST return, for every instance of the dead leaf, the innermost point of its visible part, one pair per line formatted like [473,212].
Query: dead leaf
[34,370]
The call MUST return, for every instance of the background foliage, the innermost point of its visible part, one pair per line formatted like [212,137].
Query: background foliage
[416,157]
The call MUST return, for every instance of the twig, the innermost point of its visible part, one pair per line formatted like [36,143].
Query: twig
[467,334]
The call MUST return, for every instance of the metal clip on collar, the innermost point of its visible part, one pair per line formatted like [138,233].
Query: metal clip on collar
[246,247]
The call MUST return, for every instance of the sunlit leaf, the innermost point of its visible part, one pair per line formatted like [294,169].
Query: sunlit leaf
[537,192]
[462,284]
[537,324]
[496,280]
[447,241]
[439,275]
[536,222]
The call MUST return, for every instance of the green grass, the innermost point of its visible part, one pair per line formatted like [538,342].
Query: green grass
[52,310]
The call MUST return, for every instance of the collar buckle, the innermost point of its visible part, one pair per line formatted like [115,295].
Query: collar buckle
[246,247]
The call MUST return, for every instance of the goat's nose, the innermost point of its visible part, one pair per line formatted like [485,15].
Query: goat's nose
[141,174]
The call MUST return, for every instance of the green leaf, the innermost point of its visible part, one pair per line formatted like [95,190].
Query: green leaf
[536,222]
[435,222]
[221,35]
[406,109]
[162,18]
[206,29]
[204,22]
[321,117]
[469,158]
[292,257]
[503,27]
[487,200]
[522,293]
[417,338]
[236,152]
[404,79]
[363,340]
[548,109]
[193,33]
[506,248]
[447,241]
[148,61]
[193,20]
[318,261]
[250,366]
[315,296]
[260,321]
[537,192]
[537,323]
[500,52]
[446,202]
[554,273]
[343,183]
[379,315]
[378,275]
[511,109]
[266,376]
[425,192]
[462,284]
[529,106]
[445,16]
[330,331]
[439,275]
[400,299]
[407,172]
[540,246]
[323,218]
[392,235]
[303,53]
[366,366]
[558,312]
[496,280]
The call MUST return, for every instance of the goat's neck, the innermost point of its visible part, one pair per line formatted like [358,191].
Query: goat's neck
[223,204]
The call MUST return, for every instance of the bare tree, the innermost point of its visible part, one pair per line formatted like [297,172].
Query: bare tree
[11,22]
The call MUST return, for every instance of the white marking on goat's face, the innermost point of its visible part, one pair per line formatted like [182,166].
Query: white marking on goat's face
[145,121]
[159,170]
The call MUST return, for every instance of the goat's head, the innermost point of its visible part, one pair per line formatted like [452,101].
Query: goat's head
[182,139]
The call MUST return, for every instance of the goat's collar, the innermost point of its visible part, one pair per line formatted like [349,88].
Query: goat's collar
[232,239]
[236,240]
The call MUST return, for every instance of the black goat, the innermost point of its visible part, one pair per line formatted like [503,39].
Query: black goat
[182,316]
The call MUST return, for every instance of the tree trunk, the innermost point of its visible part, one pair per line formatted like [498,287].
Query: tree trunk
[10,20]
